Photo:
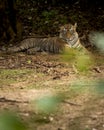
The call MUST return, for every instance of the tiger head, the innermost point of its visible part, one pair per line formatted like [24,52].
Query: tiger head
[67,31]
[69,34]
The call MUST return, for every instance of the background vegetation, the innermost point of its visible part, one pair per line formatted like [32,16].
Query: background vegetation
[19,18]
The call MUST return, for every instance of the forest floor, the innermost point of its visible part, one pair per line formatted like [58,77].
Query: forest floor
[26,80]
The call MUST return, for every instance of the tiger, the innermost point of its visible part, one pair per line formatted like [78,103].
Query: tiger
[68,36]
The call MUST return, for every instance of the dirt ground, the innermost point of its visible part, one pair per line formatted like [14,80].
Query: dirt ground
[27,78]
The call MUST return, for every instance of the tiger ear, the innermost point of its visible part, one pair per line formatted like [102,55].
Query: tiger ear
[75,25]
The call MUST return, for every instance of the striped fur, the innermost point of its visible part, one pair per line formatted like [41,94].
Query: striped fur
[68,36]
[71,36]
[32,45]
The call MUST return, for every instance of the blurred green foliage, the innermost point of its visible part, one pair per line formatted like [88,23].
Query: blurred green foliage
[9,121]
[99,87]
[82,60]
[97,39]
[48,104]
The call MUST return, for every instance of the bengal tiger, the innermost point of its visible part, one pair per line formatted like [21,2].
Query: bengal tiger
[68,36]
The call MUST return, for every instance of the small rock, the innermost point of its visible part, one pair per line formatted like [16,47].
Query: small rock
[94,129]
[51,118]
[26,114]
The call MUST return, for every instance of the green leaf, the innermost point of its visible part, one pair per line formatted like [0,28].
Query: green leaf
[9,121]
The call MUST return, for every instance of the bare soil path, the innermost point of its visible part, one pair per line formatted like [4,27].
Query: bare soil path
[25,78]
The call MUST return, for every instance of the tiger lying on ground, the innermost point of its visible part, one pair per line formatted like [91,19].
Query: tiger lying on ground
[68,36]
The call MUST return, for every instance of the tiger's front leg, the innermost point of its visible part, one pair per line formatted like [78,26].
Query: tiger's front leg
[32,51]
